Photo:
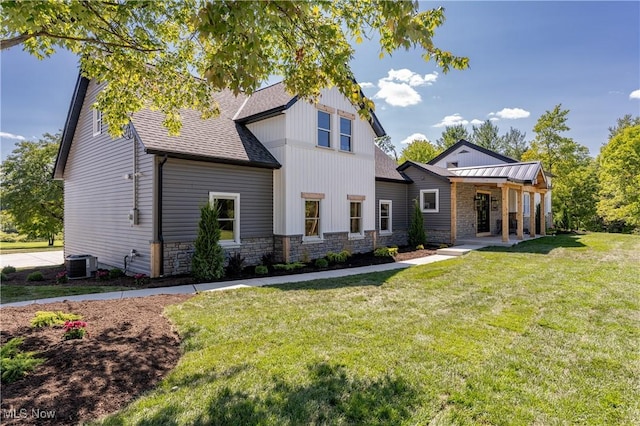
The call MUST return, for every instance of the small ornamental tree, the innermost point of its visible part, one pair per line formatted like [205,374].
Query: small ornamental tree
[417,236]
[208,258]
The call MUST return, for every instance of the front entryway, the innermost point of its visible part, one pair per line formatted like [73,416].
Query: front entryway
[483,208]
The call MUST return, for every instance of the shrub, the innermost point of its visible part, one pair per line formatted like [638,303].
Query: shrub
[322,263]
[289,266]
[102,275]
[420,247]
[416,233]
[35,276]
[74,330]
[268,259]
[208,258]
[385,251]
[341,257]
[3,276]
[50,319]
[262,270]
[140,279]
[115,273]
[62,278]
[8,269]
[15,364]
[235,265]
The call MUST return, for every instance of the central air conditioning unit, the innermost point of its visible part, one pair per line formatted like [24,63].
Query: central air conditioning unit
[81,266]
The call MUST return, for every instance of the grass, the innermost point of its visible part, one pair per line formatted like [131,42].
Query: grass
[18,293]
[544,333]
[29,247]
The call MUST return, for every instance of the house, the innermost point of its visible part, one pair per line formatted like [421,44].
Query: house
[291,178]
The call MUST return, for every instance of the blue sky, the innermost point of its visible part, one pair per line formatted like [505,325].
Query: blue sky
[525,57]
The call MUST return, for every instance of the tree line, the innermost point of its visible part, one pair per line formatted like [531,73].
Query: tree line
[591,193]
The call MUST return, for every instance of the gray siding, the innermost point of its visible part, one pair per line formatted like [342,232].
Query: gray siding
[98,197]
[440,221]
[186,187]
[397,193]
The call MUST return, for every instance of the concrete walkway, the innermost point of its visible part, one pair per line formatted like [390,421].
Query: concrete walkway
[27,260]
[229,285]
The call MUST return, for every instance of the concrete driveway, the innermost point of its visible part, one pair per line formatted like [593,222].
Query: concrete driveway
[26,260]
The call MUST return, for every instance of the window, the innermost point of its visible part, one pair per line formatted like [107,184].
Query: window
[312,218]
[97,122]
[324,129]
[429,200]
[228,206]
[384,224]
[355,217]
[345,134]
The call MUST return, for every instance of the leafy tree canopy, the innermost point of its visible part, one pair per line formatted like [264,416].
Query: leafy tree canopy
[29,194]
[452,135]
[514,143]
[421,151]
[619,174]
[385,144]
[145,50]
[622,123]
[486,136]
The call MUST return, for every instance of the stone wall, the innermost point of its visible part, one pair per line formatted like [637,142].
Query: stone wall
[397,238]
[438,236]
[177,255]
[466,210]
[303,251]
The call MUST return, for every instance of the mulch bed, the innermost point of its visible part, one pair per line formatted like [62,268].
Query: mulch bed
[130,348]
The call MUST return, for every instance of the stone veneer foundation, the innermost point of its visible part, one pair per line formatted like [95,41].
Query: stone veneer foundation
[292,248]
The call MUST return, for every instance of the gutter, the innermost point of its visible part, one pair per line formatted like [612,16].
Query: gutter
[159,214]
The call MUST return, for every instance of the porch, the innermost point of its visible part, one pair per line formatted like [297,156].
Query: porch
[496,240]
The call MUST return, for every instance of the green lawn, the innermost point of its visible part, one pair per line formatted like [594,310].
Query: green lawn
[545,333]
[31,246]
[17,293]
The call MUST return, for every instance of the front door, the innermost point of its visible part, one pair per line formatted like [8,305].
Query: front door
[482,213]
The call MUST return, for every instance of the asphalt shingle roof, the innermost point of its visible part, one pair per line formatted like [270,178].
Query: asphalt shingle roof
[216,139]
[273,98]
[387,169]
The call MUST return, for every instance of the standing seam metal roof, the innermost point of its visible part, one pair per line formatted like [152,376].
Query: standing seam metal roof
[516,172]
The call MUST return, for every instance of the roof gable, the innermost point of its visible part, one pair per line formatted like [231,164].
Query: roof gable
[463,143]
[70,125]
[387,169]
[435,171]
[273,100]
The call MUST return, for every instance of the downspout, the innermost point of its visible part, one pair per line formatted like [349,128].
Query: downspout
[159,214]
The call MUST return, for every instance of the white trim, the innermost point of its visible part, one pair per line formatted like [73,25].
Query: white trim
[97,122]
[340,134]
[318,128]
[236,213]
[390,217]
[430,191]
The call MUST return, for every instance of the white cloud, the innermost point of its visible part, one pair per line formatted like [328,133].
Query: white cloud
[635,94]
[476,122]
[397,88]
[11,136]
[452,120]
[397,94]
[494,119]
[413,137]
[511,113]
[367,85]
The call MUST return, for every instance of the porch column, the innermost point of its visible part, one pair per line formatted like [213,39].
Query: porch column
[543,219]
[454,212]
[532,214]
[505,214]
[520,214]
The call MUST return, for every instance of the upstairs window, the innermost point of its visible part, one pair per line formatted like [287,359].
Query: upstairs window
[345,134]
[429,200]
[97,122]
[228,206]
[324,129]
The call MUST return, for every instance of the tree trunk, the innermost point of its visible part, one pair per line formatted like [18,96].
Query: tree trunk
[51,239]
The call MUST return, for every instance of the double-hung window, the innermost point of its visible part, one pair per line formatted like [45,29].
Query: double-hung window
[228,206]
[384,211]
[311,218]
[345,134]
[355,218]
[97,122]
[429,200]
[324,129]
